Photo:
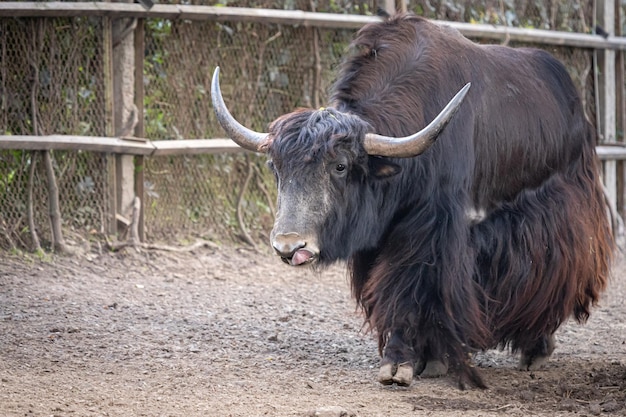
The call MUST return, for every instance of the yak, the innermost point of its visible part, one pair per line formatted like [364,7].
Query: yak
[487,228]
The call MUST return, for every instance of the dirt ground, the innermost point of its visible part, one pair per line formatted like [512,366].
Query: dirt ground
[233,332]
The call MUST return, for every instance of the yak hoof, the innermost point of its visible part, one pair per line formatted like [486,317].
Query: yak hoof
[434,369]
[534,359]
[385,374]
[404,374]
[532,363]
[391,373]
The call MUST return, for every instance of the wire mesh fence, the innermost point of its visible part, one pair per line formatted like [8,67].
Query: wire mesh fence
[52,80]
[267,70]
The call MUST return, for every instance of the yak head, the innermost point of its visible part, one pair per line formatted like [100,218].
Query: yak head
[331,172]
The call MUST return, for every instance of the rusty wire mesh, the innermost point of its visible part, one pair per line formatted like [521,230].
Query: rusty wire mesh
[267,70]
[52,81]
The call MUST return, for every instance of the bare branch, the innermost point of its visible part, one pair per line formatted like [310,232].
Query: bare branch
[31,216]
[246,236]
[54,207]
[261,185]
[261,60]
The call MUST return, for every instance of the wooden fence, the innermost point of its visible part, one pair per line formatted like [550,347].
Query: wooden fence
[296,18]
[609,61]
[145,147]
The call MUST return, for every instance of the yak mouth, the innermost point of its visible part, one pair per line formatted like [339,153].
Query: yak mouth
[301,257]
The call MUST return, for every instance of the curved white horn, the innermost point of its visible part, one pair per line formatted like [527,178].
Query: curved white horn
[416,143]
[244,137]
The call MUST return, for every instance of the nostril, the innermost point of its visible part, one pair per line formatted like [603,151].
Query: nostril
[286,244]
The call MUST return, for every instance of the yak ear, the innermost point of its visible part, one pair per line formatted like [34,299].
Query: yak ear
[383,168]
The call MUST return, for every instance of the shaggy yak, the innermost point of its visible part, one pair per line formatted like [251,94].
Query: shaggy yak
[487,228]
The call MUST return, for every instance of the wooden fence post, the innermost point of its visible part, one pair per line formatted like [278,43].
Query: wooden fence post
[125,112]
[139,128]
[389,6]
[110,225]
[606,119]
[621,113]
[121,115]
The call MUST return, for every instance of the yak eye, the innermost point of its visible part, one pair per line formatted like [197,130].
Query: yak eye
[339,167]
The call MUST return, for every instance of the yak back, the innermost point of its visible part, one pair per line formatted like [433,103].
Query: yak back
[521,122]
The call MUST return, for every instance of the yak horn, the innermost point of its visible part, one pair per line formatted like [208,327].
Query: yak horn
[416,143]
[244,137]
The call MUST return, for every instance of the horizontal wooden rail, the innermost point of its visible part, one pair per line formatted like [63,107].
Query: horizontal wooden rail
[195,147]
[296,18]
[611,152]
[136,146]
[77,143]
[129,146]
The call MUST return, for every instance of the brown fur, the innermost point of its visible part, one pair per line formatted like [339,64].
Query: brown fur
[434,285]
[522,151]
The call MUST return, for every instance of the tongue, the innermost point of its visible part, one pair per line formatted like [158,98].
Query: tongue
[300,257]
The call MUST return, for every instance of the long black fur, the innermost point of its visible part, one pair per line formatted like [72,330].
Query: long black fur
[519,149]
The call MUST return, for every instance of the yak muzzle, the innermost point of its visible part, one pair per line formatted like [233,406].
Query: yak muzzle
[294,249]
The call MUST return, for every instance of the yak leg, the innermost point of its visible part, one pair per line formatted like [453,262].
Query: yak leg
[435,368]
[436,363]
[534,358]
[398,362]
